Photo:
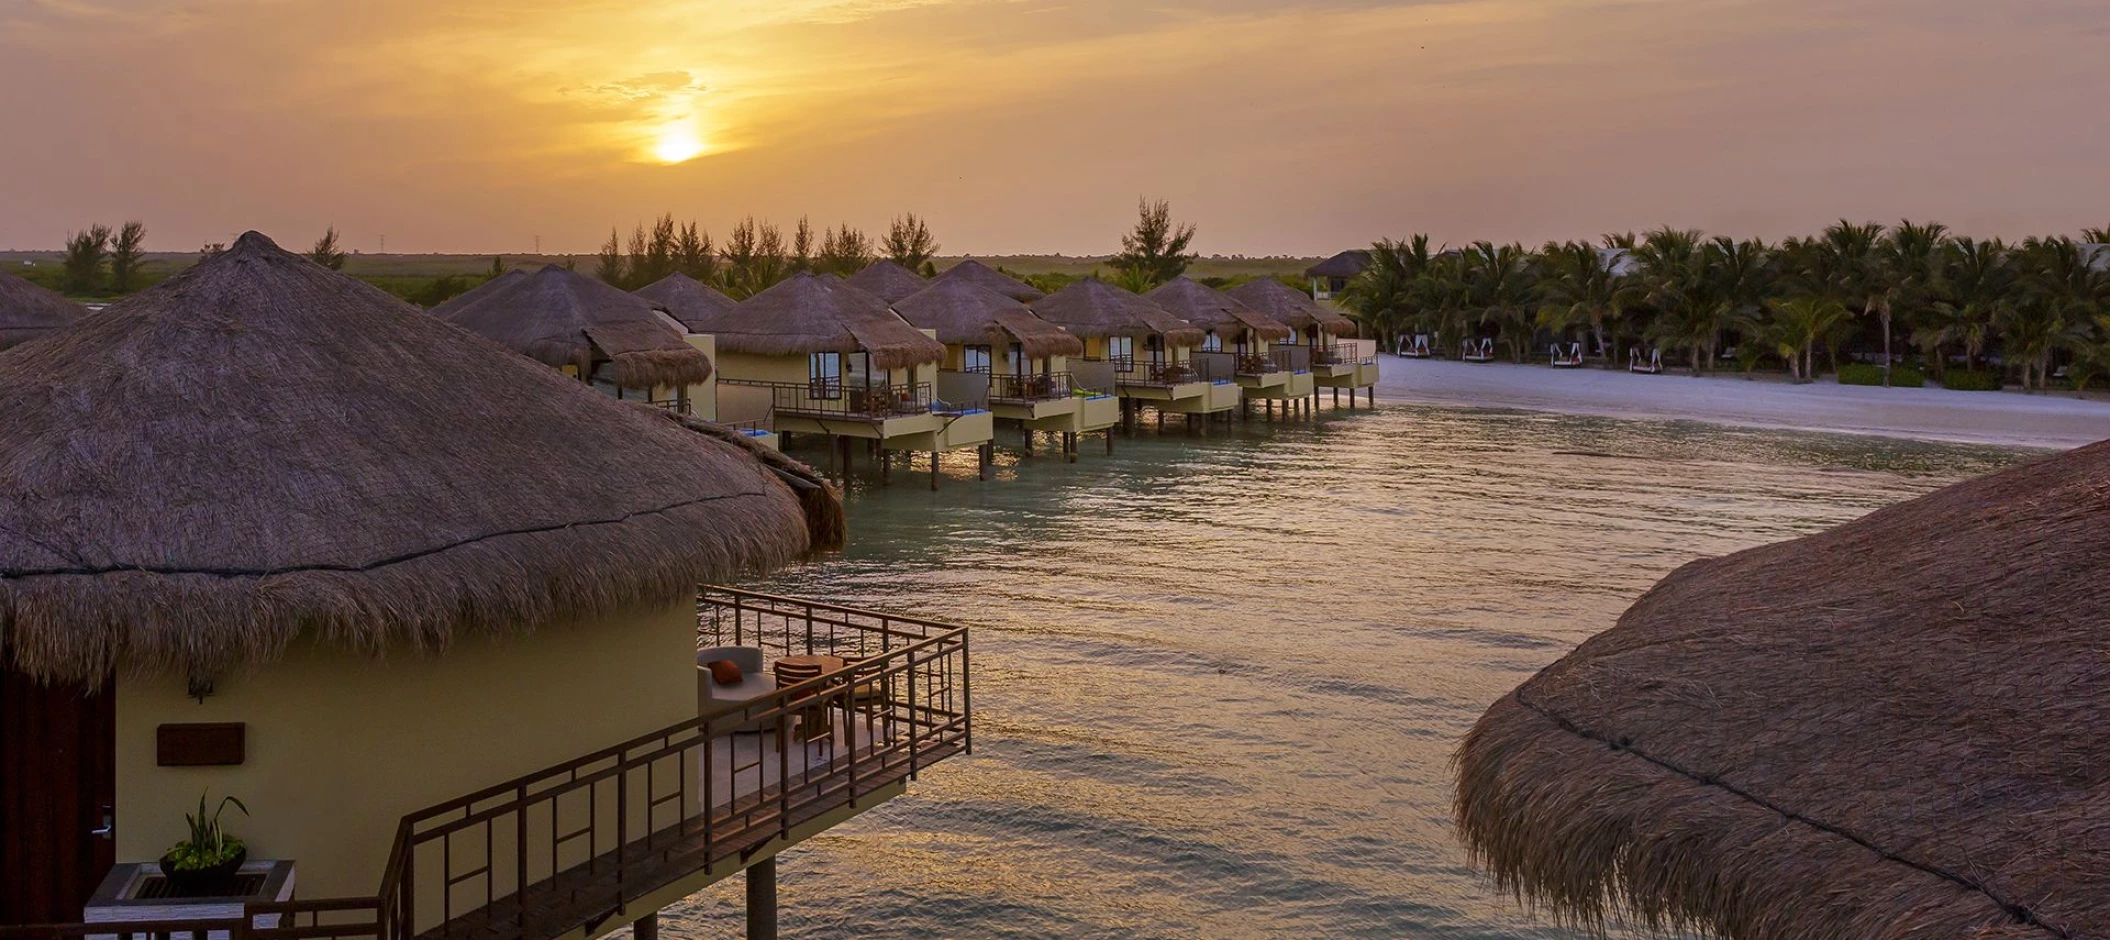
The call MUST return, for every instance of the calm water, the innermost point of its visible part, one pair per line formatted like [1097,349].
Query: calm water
[1218,682]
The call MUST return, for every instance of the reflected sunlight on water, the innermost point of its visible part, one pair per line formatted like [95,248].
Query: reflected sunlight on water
[1218,681]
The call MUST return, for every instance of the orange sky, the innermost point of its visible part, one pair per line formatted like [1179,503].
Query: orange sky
[1279,126]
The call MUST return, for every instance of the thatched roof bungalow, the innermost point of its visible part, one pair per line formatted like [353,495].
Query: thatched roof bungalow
[491,286]
[817,313]
[1094,309]
[1890,729]
[1331,276]
[887,281]
[686,299]
[963,314]
[564,318]
[1292,308]
[1216,312]
[262,495]
[983,276]
[28,311]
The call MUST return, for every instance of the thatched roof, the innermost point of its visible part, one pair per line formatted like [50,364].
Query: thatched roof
[1212,309]
[491,286]
[983,276]
[887,281]
[965,314]
[686,299]
[810,313]
[1094,308]
[28,311]
[566,318]
[1347,264]
[1892,729]
[259,449]
[1289,306]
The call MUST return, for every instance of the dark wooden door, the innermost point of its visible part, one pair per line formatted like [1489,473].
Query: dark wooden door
[58,779]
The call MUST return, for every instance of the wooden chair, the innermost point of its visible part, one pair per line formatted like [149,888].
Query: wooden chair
[868,693]
[814,723]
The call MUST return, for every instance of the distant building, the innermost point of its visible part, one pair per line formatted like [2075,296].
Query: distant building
[1328,277]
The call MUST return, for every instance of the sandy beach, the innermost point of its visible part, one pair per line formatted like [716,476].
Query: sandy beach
[2057,421]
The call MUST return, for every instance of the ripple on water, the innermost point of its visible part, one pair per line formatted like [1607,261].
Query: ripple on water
[1219,680]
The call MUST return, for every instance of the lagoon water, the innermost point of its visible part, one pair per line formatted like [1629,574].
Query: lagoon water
[1218,681]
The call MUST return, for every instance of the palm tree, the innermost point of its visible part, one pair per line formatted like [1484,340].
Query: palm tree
[1975,290]
[1740,277]
[1798,324]
[1580,288]
[1673,275]
[1913,258]
[1499,283]
[1847,264]
[1391,292]
[2063,294]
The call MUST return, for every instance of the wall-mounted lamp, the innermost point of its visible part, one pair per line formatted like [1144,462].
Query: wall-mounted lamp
[200,687]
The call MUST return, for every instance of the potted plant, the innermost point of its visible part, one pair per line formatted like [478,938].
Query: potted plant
[204,865]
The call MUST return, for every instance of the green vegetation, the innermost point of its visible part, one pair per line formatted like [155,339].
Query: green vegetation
[1156,251]
[1862,373]
[909,244]
[1971,380]
[126,255]
[1912,291]
[326,252]
[208,844]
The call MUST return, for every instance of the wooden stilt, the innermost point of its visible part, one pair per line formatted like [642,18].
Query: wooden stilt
[1029,441]
[987,454]
[1109,442]
[762,900]
[934,471]
[1069,445]
[886,465]
[646,927]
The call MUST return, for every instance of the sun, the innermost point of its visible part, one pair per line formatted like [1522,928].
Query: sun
[677,143]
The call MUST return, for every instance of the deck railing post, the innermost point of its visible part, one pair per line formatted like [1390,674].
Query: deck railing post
[966,693]
[913,763]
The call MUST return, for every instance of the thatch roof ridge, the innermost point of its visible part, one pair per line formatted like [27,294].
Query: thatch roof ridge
[809,313]
[561,317]
[29,310]
[977,273]
[1091,307]
[490,286]
[967,314]
[260,449]
[1892,727]
[1290,306]
[1212,309]
[688,300]
[887,280]
[1347,264]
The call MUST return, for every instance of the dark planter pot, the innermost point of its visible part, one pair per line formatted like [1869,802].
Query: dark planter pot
[216,881]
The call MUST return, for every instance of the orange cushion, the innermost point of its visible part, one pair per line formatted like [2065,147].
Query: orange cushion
[724,671]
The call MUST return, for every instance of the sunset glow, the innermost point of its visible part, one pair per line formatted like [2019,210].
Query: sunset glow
[677,143]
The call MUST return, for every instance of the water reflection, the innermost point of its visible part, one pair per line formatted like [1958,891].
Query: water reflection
[1219,681]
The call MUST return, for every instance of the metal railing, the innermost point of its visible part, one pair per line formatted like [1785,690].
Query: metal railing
[1019,389]
[1160,373]
[834,399]
[1121,364]
[1347,352]
[570,846]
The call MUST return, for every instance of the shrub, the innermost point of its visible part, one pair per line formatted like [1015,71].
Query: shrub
[1971,380]
[1861,373]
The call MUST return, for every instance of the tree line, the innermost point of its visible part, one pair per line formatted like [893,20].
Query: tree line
[755,254]
[1912,292]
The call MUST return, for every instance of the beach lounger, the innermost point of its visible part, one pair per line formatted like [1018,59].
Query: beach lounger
[1569,358]
[1418,347]
[1649,363]
[1477,350]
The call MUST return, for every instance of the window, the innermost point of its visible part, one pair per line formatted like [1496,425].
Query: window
[1212,342]
[824,373]
[974,359]
[1018,360]
[1121,351]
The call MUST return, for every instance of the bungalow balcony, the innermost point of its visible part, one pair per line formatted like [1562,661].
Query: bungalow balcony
[596,842]
[903,416]
[1347,363]
[1032,398]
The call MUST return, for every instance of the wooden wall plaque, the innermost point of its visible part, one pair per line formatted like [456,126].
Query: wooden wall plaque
[200,745]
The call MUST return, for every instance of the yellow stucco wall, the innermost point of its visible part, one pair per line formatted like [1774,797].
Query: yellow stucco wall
[341,746]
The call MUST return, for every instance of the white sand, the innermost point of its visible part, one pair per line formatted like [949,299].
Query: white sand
[2054,420]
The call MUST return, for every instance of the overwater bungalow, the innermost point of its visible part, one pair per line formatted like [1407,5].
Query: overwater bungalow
[598,334]
[887,281]
[1331,276]
[491,286]
[28,311]
[813,355]
[997,352]
[988,278]
[1337,360]
[429,611]
[1239,343]
[1893,729]
[1145,352]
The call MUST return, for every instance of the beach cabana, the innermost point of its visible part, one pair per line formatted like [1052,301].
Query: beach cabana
[988,278]
[594,332]
[1331,276]
[488,287]
[1238,342]
[1144,351]
[1890,729]
[998,352]
[277,535]
[1336,360]
[813,355]
[887,281]
[28,311]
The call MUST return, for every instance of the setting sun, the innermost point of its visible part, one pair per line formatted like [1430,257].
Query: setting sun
[677,144]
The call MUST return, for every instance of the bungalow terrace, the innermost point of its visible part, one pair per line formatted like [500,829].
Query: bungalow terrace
[596,333]
[1336,361]
[1239,343]
[28,311]
[813,355]
[285,538]
[998,353]
[1145,352]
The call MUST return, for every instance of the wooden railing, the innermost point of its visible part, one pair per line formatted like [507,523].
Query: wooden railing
[1347,352]
[573,845]
[1029,388]
[833,398]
